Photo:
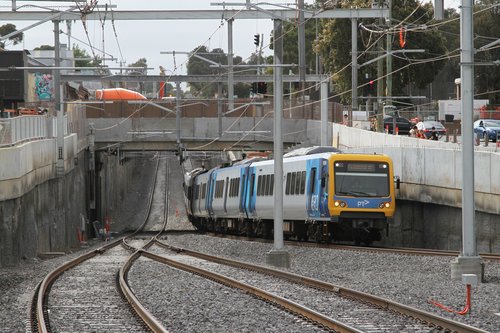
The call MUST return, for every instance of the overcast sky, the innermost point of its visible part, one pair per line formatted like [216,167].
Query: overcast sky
[146,39]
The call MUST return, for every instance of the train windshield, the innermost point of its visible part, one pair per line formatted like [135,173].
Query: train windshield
[361,179]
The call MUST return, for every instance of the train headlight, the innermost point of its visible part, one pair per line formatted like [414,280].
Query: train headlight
[384,205]
[337,204]
[340,204]
[343,204]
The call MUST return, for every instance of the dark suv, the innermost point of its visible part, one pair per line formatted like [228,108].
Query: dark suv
[403,125]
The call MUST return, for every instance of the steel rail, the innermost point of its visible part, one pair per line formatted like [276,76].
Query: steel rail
[347,292]
[143,313]
[42,317]
[289,305]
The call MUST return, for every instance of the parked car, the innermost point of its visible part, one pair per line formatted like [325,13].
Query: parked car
[427,126]
[487,128]
[403,125]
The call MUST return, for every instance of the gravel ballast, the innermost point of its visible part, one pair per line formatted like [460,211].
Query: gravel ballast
[410,280]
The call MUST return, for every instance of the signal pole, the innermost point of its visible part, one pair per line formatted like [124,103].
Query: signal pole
[278,256]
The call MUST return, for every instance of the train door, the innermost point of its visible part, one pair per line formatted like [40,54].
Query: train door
[250,196]
[243,192]
[323,193]
[210,196]
[317,188]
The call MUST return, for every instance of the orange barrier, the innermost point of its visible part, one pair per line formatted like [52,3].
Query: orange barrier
[117,94]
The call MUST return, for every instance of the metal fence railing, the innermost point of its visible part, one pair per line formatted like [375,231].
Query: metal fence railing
[24,128]
[21,129]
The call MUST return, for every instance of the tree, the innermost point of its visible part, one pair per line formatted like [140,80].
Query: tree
[197,66]
[7,29]
[82,54]
[334,45]
[44,47]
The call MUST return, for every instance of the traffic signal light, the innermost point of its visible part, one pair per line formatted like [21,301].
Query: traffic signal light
[256,39]
[371,87]
[262,88]
[254,87]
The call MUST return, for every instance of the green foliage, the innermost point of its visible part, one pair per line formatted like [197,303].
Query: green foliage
[7,29]
[487,30]
[44,47]
[334,45]
[82,53]
[197,66]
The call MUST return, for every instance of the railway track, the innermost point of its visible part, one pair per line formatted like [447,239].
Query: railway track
[396,250]
[315,301]
[83,294]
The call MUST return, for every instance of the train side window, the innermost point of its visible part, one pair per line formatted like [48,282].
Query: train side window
[264,185]
[264,188]
[288,176]
[268,185]
[297,183]
[252,184]
[303,182]
[272,185]
[292,183]
[259,185]
[313,179]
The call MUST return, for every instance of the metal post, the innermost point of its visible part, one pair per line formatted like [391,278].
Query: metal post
[219,107]
[354,71]
[301,41]
[388,62]
[324,113]
[278,256]
[57,103]
[178,110]
[380,82]
[230,74]
[468,262]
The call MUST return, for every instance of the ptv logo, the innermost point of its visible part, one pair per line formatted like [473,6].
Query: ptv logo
[363,203]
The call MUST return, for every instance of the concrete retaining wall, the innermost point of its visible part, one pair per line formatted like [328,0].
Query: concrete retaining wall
[429,213]
[43,219]
[430,171]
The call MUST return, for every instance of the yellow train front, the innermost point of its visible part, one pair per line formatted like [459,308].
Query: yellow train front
[362,199]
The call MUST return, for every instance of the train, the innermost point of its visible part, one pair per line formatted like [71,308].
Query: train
[328,196]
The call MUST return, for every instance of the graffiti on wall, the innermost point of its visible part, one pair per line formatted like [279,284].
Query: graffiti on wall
[43,86]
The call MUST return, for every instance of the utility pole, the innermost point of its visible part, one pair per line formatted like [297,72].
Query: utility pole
[388,60]
[302,52]
[380,82]
[58,105]
[278,256]
[468,261]
[178,111]
[354,71]
[230,74]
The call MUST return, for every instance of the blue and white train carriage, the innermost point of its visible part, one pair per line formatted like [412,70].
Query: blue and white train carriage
[326,197]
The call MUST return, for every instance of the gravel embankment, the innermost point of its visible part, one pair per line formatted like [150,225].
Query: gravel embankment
[409,280]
